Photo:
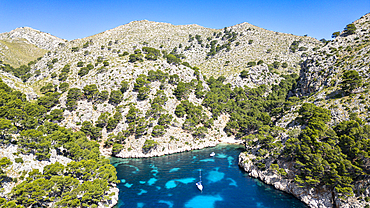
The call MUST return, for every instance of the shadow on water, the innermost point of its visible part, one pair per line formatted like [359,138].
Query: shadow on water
[169,181]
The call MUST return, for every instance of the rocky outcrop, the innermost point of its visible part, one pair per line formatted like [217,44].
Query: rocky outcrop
[257,75]
[324,67]
[315,198]
[252,44]
[40,39]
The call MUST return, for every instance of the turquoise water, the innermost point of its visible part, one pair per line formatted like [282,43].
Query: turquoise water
[169,181]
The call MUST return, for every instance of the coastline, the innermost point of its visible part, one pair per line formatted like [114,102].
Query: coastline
[157,151]
[320,197]
[310,197]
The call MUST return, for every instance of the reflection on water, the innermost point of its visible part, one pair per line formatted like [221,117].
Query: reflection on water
[169,181]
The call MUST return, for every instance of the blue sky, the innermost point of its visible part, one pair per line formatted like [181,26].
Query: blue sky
[70,19]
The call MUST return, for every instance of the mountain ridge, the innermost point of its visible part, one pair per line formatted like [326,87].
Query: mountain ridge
[159,33]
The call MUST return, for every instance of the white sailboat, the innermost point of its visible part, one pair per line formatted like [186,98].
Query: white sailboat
[199,183]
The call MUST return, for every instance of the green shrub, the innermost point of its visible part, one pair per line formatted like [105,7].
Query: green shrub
[83,71]
[103,96]
[149,144]
[151,53]
[63,76]
[80,64]
[115,97]
[158,131]
[276,64]
[117,148]
[56,115]
[282,172]
[244,74]
[261,165]
[172,59]
[274,167]
[47,88]
[74,94]
[113,121]
[18,160]
[135,57]
[294,46]
[302,48]
[350,29]
[124,86]
[37,72]
[251,63]
[75,49]
[91,92]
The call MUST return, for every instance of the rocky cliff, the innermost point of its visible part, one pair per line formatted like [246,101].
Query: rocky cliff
[318,198]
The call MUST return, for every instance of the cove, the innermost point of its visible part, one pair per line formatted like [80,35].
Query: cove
[169,181]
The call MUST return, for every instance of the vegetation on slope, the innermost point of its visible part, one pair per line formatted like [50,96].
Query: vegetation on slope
[323,153]
[22,72]
[19,52]
[83,182]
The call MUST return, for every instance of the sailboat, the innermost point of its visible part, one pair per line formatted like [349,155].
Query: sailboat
[199,183]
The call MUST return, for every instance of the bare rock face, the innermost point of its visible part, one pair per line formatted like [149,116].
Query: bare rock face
[35,37]
[313,198]
[316,198]
[257,75]
[346,52]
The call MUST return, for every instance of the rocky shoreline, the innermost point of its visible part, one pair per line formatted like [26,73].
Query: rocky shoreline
[315,198]
[318,198]
[157,151]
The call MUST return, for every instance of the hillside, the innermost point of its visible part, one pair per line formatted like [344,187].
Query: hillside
[238,44]
[215,52]
[147,89]
[23,45]
[324,157]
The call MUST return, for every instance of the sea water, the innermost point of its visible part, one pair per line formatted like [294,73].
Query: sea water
[169,181]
